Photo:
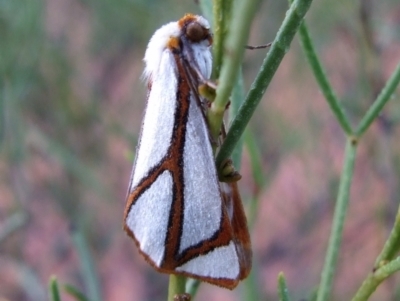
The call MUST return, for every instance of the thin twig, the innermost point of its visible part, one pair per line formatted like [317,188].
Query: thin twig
[375,278]
[322,80]
[258,46]
[380,101]
[335,237]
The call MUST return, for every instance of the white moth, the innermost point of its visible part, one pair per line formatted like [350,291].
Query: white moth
[176,211]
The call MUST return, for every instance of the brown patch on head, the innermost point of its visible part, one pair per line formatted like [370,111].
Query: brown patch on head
[188,18]
[173,43]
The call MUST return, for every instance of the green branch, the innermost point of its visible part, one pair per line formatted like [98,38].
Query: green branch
[218,36]
[385,264]
[236,101]
[375,278]
[222,10]
[176,286]
[233,50]
[87,265]
[338,220]
[280,46]
[381,100]
[74,292]
[322,80]
[392,245]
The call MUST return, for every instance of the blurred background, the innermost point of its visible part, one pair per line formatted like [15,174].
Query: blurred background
[71,103]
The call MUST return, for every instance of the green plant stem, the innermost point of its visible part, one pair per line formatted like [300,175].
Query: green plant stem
[255,160]
[192,286]
[283,291]
[233,50]
[2,113]
[381,100]
[322,80]
[280,46]
[87,265]
[375,278]
[338,220]
[53,289]
[237,100]
[221,12]
[206,8]
[392,244]
[176,286]
[257,175]
[73,291]
[251,288]
[385,263]
[217,39]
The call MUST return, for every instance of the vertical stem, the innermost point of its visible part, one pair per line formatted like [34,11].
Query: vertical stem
[206,8]
[176,286]
[251,287]
[218,37]
[283,291]
[222,12]
[237,100]
[338,221]
[87,265]
[192,286]
[3,96]
[234,48]
[54,293]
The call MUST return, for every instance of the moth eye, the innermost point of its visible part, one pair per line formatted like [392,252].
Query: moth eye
[196,33]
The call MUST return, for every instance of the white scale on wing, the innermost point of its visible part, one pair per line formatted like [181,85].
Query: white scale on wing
[159,118]
[222,262]
[149,215]
[202,197]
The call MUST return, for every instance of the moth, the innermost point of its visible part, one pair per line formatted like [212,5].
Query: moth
[181,218]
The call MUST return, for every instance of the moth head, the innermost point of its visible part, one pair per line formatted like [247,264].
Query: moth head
[196,29]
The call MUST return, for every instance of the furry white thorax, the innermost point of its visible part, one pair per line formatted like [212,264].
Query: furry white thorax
[159,42]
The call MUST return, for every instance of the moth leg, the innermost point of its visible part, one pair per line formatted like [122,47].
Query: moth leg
[227,172]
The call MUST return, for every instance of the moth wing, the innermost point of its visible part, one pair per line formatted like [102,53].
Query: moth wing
[149,200]
[219,266]
[202,196]
[204,209]
[158,122]
[147,220]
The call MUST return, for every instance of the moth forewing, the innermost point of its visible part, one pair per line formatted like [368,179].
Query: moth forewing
[175,211]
